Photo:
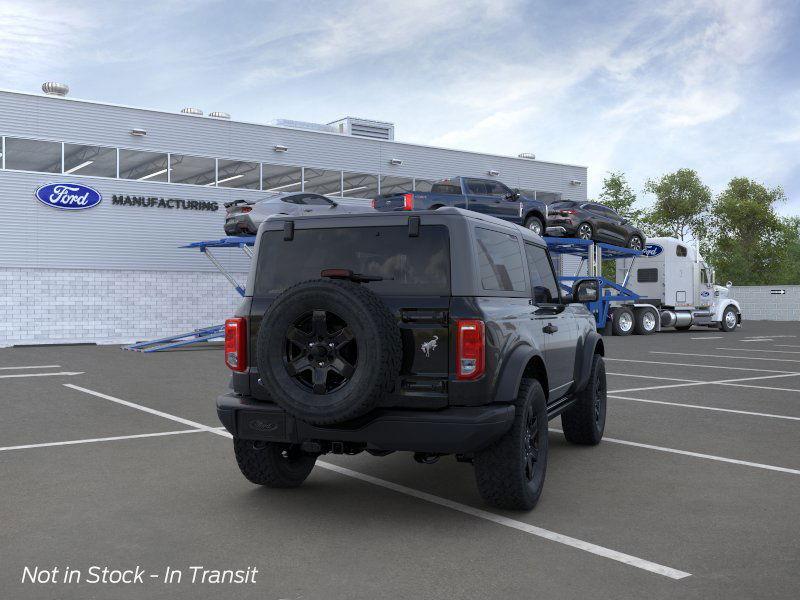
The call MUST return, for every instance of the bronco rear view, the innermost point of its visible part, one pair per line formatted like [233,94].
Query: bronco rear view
[435,332]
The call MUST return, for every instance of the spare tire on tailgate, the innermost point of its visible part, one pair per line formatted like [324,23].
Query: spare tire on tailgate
[327,351]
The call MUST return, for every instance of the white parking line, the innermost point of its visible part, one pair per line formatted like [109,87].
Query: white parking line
[655,377]
[733,461]
[146,409]
[482,514]
[512,523]
[31,367]
[655,362]
[787,346]
[717,382]
[758,350]
[65,373]
[723,382]
[723,356]
[714,408]
[708,337]
[105,439]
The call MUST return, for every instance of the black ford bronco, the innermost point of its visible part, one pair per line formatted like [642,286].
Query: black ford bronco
[436,332]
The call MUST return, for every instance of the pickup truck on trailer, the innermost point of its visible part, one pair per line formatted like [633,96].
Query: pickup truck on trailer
[486,196]
[438,332]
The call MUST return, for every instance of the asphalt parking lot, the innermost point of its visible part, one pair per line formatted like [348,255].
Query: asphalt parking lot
[116,458]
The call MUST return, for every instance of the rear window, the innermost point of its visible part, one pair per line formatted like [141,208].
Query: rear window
[500,261]
[409,265]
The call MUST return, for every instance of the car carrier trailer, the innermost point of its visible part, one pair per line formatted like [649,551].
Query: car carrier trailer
[671,286]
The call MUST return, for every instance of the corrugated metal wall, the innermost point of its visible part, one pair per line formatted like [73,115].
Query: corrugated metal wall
[123,237]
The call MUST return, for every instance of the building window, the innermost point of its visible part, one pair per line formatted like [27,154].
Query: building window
[280,178]
[97,161]
[423,185]
[359,185]
[321,181]
[194,170]
[144,166]
[396,185]
[499,261]
[237,174]
[33,155]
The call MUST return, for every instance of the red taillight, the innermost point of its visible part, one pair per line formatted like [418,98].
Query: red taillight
[408,201]
[374,201]
[568,212]
[236,344]
[470,349]
[246,209]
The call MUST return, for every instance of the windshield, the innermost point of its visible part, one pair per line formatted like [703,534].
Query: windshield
[408,265]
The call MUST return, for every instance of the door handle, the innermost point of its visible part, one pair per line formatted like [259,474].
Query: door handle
[550,328]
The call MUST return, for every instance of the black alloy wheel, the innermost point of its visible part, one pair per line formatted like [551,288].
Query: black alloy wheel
[321,352]
[635,243]
[585,231]
[530,445]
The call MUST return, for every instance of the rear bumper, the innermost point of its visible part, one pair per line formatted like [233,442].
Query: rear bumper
[447,431]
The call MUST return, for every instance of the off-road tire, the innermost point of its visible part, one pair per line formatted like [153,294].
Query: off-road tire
[376,335]
[531,221]
[640,327]
[272,465]
[500,469]
[584,422]
[618,322]
[723,325]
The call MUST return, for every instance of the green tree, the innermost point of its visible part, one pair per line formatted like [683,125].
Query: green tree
[618,195]
[681,205]
[750,243]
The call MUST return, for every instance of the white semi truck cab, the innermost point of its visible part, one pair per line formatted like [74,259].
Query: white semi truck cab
[672,277]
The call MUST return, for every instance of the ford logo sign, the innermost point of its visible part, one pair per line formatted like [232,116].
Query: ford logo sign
[652,250]
[68,196]
[705,294]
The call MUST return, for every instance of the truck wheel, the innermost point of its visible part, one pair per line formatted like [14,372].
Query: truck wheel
[645,323]
[584,421]
[729,320]
[510,473]
[273,465]
[328,351]
[622,322]
[535,225]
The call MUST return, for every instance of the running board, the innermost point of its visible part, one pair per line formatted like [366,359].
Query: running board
[559,406]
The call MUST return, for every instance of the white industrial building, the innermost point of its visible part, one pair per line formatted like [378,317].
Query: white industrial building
[115,272]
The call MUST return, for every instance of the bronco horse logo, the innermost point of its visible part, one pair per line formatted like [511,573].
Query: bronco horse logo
[429,346]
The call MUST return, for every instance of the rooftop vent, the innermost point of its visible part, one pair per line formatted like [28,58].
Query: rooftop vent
[377,130]
[219,115]
[192,111]
[51,88]
[303,125]
[527,155]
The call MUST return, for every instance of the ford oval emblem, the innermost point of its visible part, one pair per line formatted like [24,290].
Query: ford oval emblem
[652,250]
[705,294]
[68,196]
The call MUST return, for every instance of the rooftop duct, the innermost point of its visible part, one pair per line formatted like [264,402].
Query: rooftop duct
[527,155]
[303,125]
[192,111]
[219,115]
[376,130]
[51,88]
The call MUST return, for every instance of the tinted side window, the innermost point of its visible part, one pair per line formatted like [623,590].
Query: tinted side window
[408,265]
[476,186]
[500,261]
[495,188]
[647,275]
[309,199]
[543,281]
[681,251]
[446,186]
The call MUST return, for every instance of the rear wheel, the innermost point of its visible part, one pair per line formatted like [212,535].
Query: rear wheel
[510,473]
[729,320]
[622,323]
[584,231]
[535,225]
[645,322]
[273,465]
[585,421]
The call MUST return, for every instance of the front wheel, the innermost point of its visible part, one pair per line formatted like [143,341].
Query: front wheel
[535,225]
[273,465]
[635,243]
[585,421]
[584,232]
[729,320]
[510,473]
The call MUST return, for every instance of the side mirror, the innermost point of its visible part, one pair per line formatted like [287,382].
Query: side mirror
[512,196]
[585,290]
[334,204]
[729,285]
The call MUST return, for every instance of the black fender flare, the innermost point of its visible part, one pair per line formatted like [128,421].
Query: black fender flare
[512,372]
[535,212]
[585,356]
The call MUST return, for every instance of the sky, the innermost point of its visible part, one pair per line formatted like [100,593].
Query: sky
[639,87]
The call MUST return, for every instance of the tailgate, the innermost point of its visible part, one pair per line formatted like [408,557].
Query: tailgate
[389,202]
